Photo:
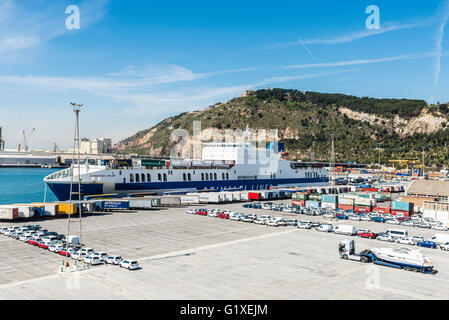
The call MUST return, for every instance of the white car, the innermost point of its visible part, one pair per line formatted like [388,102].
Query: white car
[191,211]
[113,259]
[324,227]
[87,251]
[55,248]
[385,237]
[129,264]
[329,215]
[417,238]
[405,240]
[93,260]
[444,246]
[260,221]
[78,255]
[408,223]
[440,226]
[101,255]
[305,225]
[365,217]
[272,223]
[24,238]
[235,217]
[355,217]
[392,221]
[212,213]
[249,218]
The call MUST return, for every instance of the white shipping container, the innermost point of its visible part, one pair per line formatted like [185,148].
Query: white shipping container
[236,196]
[332,205]
[347,201]
[363,201]
[25,211]
[244,196]
[210,197]
[186,199]
[8,213]
[228,196]
[141,203]
[170,201]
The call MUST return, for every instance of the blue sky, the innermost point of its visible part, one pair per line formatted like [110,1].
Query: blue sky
[133,63]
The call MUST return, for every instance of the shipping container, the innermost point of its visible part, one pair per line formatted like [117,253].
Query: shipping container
[382,209]
[190,199]
[401,213]
[171,201]
[65,208]
[315,196]
[345,206]
[346,201]
[313,204]
[332,205]
[298,202]
[49,209]
[100,196]
[362,208]
[142,204]
[9,213]
[115,204]
[399,205]
[26,211]
[254,196]
[330,198]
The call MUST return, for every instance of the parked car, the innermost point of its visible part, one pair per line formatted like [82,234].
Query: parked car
[423,224]
[355,217]
[417,239]
[427,244]
[202,212]
[440,226]
[235,217]
[365,217]
[272,223]
[55,248]
[408,223]
[405,240]
[191,211]
[101,255]
[444,246]
[78,255]
[87,251]
[248,205]
[367,234]
[384,237]
[223,215]
[249,218]
[291,222]
[114,259]
[324,227]
[304,225]
[129,264]
[342,216]
[378,219]
[392,221]
[93,260]
[260,221]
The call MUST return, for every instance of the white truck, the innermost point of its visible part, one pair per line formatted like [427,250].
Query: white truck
[345,229]
[440,238]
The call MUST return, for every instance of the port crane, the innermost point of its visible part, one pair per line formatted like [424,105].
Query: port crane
[26,139]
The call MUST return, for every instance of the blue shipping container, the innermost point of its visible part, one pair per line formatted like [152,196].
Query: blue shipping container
[313,204]
[399,205]
[115,205]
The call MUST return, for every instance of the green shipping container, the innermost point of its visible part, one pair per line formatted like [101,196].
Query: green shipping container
[152,163]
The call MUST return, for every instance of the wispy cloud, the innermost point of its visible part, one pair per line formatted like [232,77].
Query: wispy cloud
[439,39]
[28,27]
[353,36]
[414,56]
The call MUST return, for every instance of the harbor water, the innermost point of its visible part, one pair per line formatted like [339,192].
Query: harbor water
[24,185]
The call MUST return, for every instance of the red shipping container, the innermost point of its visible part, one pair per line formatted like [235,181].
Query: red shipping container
[382,209]
[298,203]
[362,209]
[369,189]
[345,207]
[400,213]
[253,195]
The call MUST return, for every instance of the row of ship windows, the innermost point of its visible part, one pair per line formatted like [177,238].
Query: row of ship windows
[312,175]
[163,177]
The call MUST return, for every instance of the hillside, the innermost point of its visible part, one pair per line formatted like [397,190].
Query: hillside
[403,127]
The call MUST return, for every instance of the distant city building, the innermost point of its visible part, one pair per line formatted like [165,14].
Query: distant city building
[96,146]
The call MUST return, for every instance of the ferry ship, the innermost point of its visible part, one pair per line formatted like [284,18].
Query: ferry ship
[222,166]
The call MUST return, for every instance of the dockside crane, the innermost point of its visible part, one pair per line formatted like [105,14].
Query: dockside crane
[26,139]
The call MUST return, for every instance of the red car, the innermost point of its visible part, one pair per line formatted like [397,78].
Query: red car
[368,234]
[223,215]
[202,212]
[32,242]
[43,246]
[64,253]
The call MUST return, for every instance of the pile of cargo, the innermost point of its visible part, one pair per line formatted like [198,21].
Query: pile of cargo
[366,201]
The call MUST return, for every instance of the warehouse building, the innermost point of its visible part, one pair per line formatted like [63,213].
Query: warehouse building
[433,196]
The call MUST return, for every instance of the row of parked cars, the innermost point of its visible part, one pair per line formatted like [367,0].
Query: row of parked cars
[237,216]
[391,235]
[57,243]
[340,214]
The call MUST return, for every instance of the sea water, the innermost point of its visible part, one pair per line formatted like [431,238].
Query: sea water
[24,185]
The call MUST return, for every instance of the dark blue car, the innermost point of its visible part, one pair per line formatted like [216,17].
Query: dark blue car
[427,244]
[248,205]
[378,219]
[342,216]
